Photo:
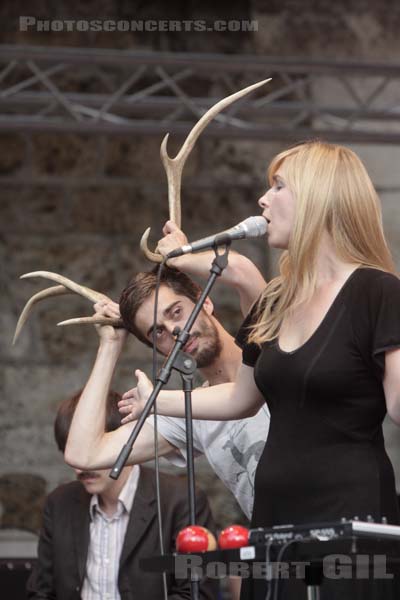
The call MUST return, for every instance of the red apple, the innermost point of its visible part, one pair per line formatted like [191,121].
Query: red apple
[234,536]
[195,539]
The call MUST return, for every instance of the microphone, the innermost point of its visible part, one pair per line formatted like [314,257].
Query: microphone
[251,227]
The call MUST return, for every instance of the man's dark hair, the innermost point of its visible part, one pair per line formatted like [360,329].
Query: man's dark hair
[66,412]
[142,285]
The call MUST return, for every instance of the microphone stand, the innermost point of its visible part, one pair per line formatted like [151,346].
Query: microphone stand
[186,366]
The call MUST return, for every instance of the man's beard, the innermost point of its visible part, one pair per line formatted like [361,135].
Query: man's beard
[211,345]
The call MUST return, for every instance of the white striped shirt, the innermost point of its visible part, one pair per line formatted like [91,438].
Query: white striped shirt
[107,534]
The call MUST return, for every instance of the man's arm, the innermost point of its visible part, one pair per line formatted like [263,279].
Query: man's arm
[40,585]
[240,274]
[88,445]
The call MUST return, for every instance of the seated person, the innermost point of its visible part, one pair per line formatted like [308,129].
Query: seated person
[96,529]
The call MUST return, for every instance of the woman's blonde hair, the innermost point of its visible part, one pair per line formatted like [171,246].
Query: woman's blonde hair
[333,193]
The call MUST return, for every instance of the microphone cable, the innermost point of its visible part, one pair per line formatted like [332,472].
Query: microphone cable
[156,454]
[268,575]
[278,561]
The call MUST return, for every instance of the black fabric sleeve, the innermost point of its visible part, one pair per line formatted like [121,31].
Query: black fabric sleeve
[385,318]
[40,585]
[251,352]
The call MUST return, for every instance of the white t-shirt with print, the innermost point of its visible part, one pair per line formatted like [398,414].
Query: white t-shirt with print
[233,449]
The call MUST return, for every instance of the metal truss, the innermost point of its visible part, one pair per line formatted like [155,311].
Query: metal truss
[118,92]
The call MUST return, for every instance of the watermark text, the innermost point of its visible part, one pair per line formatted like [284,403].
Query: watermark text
[334,566]
[30,23]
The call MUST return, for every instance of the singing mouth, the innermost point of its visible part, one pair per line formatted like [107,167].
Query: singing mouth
[268,220]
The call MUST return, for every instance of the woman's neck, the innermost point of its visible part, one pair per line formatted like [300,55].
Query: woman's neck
[329,266]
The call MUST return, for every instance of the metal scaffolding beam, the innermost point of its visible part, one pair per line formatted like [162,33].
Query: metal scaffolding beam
[117,92]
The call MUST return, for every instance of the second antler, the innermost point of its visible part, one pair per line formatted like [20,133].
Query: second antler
[66,286]
[174,166]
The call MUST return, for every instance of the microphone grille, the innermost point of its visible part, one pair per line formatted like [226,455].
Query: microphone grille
[255,226]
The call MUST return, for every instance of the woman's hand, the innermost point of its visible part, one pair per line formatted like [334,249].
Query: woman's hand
[133,401]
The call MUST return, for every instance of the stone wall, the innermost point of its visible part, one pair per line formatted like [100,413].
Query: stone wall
[78,205]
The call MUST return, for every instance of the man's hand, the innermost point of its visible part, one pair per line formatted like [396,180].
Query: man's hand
[117,336]
[173,238]
[133,401]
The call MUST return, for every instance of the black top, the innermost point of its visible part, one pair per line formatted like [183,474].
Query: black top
[325,458]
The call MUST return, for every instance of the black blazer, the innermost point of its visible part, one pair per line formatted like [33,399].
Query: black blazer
[64,540]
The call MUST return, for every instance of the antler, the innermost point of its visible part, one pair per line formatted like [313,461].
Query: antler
[174,166]
[67,287]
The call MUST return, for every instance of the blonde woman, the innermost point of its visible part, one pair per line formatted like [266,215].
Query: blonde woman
[321,347]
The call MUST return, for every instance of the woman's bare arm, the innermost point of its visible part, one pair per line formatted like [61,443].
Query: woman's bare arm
[391,384]
[222,402]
